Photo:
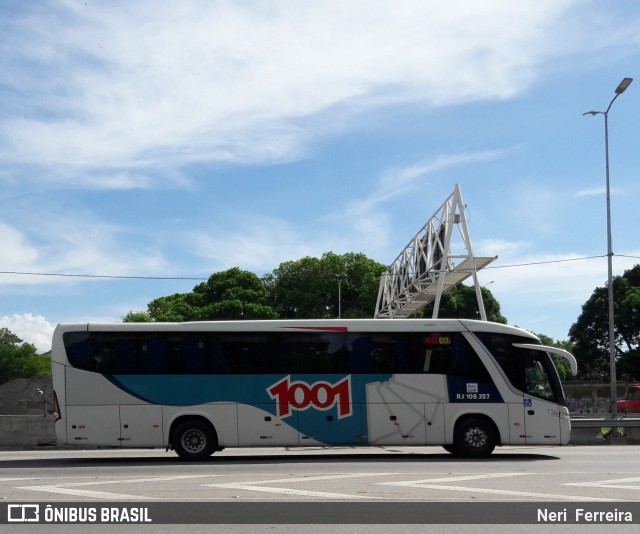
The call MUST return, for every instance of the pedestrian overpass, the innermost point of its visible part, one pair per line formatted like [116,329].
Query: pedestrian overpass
[436,259]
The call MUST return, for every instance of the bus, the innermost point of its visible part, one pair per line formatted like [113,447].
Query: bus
[199,387]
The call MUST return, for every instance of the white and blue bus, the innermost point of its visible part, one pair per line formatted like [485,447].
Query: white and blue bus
[199,387]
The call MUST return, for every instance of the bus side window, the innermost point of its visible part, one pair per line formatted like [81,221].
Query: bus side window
[192,355]
[436,354]
[248,353]
[127,356]
[384,360]
[506,356]
[409,353]
[438,360]
[536,380]
[399,350]
[317,353]
[360,350]
[154,356]
[387,353]
[466,362]
[218,360]
[81,349]
[105,361]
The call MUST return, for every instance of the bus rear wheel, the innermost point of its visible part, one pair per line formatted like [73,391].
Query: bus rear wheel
[475,438]
[194,440]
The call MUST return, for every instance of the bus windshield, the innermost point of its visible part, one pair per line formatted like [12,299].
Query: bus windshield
[529,370]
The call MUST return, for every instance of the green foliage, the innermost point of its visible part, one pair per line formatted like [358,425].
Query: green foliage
[308,288]
[562,365]
[137,317]
[590,332]
[628,366]
[232,294]
[19,359]
[461,303]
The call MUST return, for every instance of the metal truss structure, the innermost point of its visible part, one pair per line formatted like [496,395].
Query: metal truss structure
[427,267]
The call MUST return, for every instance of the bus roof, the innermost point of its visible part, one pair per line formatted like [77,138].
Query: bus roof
[328,325]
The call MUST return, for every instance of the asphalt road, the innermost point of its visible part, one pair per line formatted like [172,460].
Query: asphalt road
[553,476]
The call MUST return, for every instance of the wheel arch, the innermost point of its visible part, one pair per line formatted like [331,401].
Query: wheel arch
[175,423]
[478,415]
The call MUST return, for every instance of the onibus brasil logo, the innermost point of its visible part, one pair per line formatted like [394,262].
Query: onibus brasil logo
[299,395]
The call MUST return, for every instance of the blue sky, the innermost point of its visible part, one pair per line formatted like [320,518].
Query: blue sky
[179,139]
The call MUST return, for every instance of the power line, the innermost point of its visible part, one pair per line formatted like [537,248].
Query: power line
[200,279]
[545,262]
[116,277]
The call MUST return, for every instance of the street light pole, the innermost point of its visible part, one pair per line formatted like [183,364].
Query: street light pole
[340,278]
[622,87]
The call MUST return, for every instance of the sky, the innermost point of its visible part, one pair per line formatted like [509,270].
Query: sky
[152,144]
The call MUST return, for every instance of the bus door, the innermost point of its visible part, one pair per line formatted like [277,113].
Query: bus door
[546,415]
[542,417]
[540,403]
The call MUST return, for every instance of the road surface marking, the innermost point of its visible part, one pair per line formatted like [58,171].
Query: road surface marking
[616,483]
[429,484]
[259,486]
[73,488]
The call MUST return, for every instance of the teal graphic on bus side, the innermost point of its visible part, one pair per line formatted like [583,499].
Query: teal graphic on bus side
[330,408]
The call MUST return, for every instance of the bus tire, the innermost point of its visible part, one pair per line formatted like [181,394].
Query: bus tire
[475,438]
[194,439]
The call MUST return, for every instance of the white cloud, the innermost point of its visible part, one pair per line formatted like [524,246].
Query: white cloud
[147,85]
[34,329]
[400,181]
[592,192]
[544,292]
[500,247]
[262,243]
[71,244]
[16,251]
[601,191]
[550,280]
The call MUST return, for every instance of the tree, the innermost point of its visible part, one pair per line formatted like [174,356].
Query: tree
[19,359]
[231,294]
[460,302]
[137,317]
[590,332]
[308,288]
[562,365]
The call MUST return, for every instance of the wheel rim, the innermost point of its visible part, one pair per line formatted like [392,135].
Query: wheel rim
[193,441]
[476,438]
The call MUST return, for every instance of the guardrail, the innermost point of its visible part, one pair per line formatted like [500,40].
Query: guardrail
[626,422]
[605,430]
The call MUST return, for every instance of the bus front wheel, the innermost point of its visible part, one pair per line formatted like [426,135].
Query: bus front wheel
[194,440]
[475,438]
